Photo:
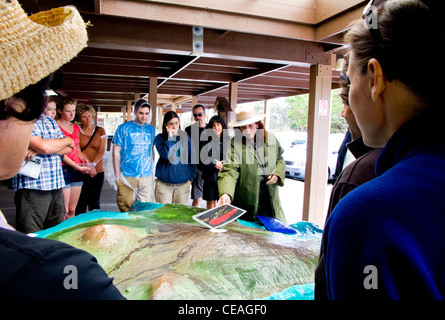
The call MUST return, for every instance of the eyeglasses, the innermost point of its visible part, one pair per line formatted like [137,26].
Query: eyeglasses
[196,115]
[344,77]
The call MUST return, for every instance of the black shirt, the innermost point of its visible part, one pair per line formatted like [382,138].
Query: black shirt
[34,268]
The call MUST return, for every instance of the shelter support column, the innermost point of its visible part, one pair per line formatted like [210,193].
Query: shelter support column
[233,100]
[128,111]
[319,123]
[160,115]
[194,100]
[153,100]
[193,103]
[267,113]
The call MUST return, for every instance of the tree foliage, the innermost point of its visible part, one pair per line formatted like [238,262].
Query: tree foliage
[291,113]
[297,113]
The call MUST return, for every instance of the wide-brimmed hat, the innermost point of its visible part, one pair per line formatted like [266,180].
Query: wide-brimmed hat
[245,115]
[32,47]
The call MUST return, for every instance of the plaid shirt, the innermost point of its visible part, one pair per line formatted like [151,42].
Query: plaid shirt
[51,174]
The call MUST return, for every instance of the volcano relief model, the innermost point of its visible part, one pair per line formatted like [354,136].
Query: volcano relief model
[160,252]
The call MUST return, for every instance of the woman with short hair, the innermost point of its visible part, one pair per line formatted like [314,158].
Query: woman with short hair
[93,141]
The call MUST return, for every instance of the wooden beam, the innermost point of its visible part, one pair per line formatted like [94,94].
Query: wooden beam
[78,68]
[179,68]
[319,123]
[292,19]
[327,9]
[120,33]
[289,10]
[338,24]
[153,99]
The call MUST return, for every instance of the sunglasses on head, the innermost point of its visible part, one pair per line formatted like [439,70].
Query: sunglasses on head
[371,5]
[370,15]
[196,115]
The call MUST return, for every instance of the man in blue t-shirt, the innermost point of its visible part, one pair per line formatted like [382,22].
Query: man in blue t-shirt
[133,158]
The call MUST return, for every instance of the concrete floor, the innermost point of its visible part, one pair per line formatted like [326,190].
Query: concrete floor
[291,196]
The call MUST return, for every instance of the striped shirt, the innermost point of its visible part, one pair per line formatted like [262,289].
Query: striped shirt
[51,174]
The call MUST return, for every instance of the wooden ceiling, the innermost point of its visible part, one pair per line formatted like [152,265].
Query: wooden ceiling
[134,42]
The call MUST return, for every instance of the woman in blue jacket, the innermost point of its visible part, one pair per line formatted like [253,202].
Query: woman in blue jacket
[176,167]
[385,239]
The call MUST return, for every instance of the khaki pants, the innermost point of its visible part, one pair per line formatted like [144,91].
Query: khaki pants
[172,193]
[131,189]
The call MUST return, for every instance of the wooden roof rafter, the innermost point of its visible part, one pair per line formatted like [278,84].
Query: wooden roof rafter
[266,48]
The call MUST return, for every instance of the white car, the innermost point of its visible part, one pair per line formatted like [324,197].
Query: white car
[295,158]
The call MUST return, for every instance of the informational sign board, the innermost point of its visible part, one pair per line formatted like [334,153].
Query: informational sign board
[219,216]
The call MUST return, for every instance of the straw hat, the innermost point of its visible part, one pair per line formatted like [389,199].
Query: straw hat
[32,47]
[245,115]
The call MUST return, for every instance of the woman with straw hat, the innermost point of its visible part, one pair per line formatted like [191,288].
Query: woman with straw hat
[33,268]
[254,168]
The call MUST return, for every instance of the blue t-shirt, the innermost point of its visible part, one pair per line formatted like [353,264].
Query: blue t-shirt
[136,142]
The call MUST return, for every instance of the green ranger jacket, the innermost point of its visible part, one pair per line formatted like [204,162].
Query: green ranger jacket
[242,170]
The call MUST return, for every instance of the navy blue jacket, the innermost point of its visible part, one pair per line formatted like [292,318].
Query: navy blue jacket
[177,162]
[386,238]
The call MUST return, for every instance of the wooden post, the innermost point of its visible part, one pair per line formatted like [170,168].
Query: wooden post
[97,115]
[160,116]
[233,100]
[153,100]
[128,111]
[319,123]
[267,113]
[194,102]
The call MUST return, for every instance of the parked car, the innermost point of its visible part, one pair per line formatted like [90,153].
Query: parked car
[295,158]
